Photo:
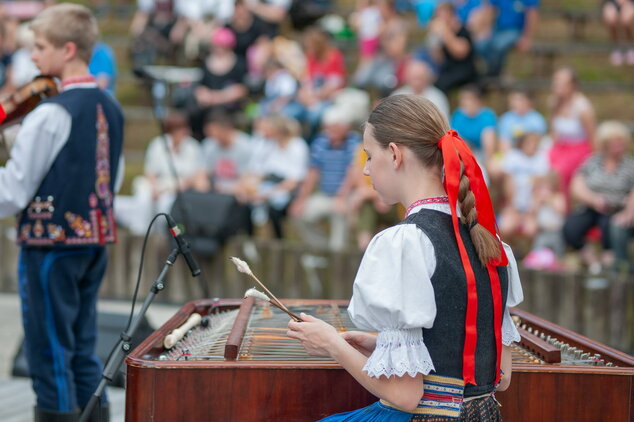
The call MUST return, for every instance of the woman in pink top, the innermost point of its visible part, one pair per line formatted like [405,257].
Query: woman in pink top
[572,126]
[325,75]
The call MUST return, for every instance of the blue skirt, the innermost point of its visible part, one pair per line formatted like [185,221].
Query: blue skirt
[376,412]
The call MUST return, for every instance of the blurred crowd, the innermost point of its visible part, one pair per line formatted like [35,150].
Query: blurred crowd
[274,119]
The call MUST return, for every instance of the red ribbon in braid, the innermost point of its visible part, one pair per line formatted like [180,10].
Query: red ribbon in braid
[453,150]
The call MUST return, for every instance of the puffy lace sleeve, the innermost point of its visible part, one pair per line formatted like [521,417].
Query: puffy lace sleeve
[514,297]
[393,296]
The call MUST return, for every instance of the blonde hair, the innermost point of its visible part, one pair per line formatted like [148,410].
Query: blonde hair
[287,127]
[611,129]
[65,23]
[416,123]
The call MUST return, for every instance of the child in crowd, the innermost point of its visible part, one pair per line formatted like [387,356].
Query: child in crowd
[366,21]
[520,166]
[278,164]
[415,291]
[521,118]
[280,88]
[548,212]
[475,123]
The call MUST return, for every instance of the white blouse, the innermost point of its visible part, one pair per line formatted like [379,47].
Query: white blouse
[393,295]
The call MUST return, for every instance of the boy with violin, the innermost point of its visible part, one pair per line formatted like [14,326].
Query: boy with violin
[60,181]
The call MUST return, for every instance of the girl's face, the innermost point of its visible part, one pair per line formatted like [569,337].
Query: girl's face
[562,84]
[530,145]
[379,167]
[519,103]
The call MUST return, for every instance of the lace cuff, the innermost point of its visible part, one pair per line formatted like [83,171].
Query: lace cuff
[398,352]
[509,330]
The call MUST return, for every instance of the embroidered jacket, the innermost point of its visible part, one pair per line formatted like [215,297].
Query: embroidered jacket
[73,204]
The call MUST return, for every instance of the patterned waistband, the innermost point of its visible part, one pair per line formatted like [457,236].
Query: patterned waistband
[442,396]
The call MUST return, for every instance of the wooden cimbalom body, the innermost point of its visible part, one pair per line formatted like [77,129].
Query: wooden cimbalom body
[238,365]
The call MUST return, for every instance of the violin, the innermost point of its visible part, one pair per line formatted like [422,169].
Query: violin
[26,98]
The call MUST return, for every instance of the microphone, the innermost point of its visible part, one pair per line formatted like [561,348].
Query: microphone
[183,246]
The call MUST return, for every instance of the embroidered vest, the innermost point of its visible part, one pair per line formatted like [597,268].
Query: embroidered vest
[445,340]
[73,205]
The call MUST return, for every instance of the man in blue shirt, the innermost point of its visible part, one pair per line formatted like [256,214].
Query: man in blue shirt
[331,153]
[103,67]
[515,24]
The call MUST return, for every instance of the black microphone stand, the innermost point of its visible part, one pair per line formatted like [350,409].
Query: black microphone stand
[158,92]
[123,347]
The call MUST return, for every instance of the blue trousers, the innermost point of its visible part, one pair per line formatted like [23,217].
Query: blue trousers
[58,289]
[494,49]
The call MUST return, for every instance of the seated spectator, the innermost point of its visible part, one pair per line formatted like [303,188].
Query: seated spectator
[226,153]
[618,16]
[475,15]
[280,88]
[247,27]
[330,155]
[366,22]
[325,75]
[573,125]
[358,199]
[475,123]
[384,71]
[603,188]
[451,47]
[520,167]
[151,30]
[103,67]
[278,165]
[514,26]
[271,12]
[419,79]
[222,84]
[197,19]
[520,119]
[156,190]
[549,211]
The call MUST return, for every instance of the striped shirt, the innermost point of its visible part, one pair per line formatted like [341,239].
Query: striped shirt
[332,162]
[615,185]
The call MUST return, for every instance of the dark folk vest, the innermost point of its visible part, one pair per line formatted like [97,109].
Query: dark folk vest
[445,340]
[73,204]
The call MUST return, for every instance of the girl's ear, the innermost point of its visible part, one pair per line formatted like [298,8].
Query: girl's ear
[397,155]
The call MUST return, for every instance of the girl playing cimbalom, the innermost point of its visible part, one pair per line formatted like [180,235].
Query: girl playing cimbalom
[435,288]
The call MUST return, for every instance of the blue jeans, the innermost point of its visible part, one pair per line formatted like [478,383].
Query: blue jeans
[58,290]
[494,49]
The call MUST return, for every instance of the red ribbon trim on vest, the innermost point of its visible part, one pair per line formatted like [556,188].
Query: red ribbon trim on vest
[454,149]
